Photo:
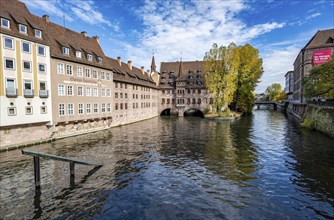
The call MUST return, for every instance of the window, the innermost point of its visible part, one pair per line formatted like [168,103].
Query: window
[25,47]
[126,95]
[116,106]
[5,23]
[108,76]
[126,86]
[12,111]
[87,73]
[125,105]
[121,95]
[70,108]
[61,109]
[69,70]
[79,71]
[116,85]
[27,66]
[38,33]
[28,110]
[80,109]
[42,85]
[78,54]
[116,95]
[8,43]
[70,90]
[88,108]
[96,108]
[80,91]
[121,106]
[108,93]
[66,50]
[95,92]
[10,87]
[41,68]
[103,92]
[9,64]
[89,57]
[99,59]
[41,50]
[22,28]
[60,68]
[61,90]
[44,110]
[103,107]
[121,85]
[108,107]
[94,74]
[88,91]
[102,75]
[27,91]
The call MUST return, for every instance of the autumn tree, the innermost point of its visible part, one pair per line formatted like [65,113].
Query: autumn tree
[275,92]
[249,73]
[320,81]
[221,66]
[231,74]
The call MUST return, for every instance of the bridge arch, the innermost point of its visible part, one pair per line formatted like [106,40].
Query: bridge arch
[193,112]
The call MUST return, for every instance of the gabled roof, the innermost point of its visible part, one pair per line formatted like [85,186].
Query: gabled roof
[122,73]
[190,72]
[17,13]
[320,39]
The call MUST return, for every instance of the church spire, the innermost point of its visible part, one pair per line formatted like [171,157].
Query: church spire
[153,66]
[180,68]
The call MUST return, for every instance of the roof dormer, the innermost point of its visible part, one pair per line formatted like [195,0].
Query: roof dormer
[5,23]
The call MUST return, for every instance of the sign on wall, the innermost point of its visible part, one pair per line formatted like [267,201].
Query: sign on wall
[321,56]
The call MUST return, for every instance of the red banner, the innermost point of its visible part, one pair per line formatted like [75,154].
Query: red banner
[321,56]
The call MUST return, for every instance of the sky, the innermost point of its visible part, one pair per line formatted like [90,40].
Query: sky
[176,29]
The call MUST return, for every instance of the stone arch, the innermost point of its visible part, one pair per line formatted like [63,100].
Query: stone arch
[197,112]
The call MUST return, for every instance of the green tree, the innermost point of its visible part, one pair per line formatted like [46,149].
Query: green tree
[275,92]
[249,73]
[320,81]
[221,66]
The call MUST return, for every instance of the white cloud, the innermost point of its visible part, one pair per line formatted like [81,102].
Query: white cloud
[174,27]
[86,11]
[313,16]
[52,7]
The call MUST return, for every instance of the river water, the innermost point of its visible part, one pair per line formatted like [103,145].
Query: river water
[262,166]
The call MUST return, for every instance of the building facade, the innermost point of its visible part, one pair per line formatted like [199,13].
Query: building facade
[289,85]
[25,77]
[181,87]
[318,50]
[135,93]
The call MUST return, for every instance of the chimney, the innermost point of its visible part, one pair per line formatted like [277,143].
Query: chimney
[96,38]
[130,64]
[46,18]
[142,70]
[84,33]
[119,61]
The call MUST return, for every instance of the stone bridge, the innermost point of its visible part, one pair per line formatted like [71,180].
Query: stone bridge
[180,109]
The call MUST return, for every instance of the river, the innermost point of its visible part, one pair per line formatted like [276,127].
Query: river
[262,166]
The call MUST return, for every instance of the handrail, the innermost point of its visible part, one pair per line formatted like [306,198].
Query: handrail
[72,162]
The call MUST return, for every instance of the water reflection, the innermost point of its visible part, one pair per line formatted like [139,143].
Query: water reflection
[261,166]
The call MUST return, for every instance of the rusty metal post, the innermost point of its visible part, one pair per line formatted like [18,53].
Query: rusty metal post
[37,173]
[72,166]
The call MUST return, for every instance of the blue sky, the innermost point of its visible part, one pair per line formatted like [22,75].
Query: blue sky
[171,29]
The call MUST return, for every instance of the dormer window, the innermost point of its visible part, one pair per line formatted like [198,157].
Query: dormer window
[5,23]
[99,59]
[89,57]
[23,28]
[38,33]
[78,54]
[66,51]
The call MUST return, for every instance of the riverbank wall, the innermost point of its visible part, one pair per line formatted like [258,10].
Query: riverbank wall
[320,118]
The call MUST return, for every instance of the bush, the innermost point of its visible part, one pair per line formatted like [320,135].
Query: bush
[308,123]
[206,111]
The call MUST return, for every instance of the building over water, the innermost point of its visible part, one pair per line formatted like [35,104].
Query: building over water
[181,86]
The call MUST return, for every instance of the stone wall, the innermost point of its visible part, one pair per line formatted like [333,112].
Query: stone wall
[322,118]
[18,135]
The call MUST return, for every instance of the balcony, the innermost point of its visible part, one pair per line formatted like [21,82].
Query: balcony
[28,93]
[43,93]
[11,92]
